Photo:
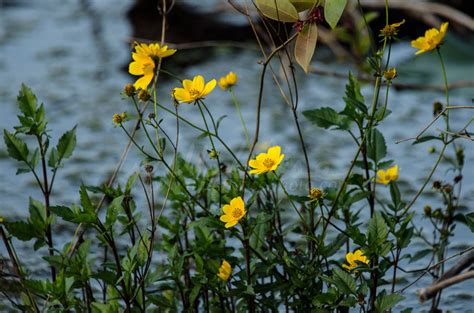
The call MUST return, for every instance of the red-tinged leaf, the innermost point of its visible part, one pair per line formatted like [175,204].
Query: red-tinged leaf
[305,45]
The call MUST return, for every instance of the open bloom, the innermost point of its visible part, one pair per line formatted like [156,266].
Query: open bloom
[353,258]
[266,162]
[385,177]
[233,212]
[228,81]
[224,271]
[193,89]
[432,39]
[144,66]
[154,50]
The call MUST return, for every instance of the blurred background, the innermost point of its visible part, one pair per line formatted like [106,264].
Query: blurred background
[74,55]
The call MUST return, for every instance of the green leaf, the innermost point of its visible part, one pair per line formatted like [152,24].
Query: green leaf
[305,45]
[17,148]
[377,231]
[53,159]
[113,210]
[27,101]
[20,230]
[470,221]
[377,148]
[344,281]
[354,99]
[85,200]
[385,302]
[395,193]
[279,10]
[333,11]
[64,212]
[302,5]
[66,144]
[324,117]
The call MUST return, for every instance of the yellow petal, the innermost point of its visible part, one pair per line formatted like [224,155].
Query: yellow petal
[231,224]
[227,209]
[444,28]
[198,83]
[226,218]
[237,203]
[208,88]
[135,68]
[188,84]
[274,152]
[167,53]
[182,95]
[393,172]
[143,82]
[254,163]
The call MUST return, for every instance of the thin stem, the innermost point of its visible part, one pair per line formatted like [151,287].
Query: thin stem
[242,121]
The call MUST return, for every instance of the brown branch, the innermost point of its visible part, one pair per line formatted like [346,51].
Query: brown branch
[431,291]
[425,9]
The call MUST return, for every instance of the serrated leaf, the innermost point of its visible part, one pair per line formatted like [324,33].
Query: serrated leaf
[470,221]
[353,97]
[302,5]
[324,117]
[17,148]
[305,45]
[344,281]
[53,158]
[113,210]
[377,148]
[20,230]
[333,11]
[27,101]
[385,302]
[64,212]
[377,231]
[278,10]
[85,200]
[66,144]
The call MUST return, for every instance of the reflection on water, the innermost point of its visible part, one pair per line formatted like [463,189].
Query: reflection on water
[72,56]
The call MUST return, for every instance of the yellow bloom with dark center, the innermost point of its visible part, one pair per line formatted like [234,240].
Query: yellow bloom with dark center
[119,118]
[153,50]
[233,212]
[266,162]
[353,258]
[228,81]
[391,30]
[390,73]
[224,271]
[385,177]
[432,39]
[144,66]
[193,89]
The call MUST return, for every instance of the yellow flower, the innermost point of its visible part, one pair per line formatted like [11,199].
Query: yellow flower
[228,81]
[390,73]
[233,212]
[432,39]
[266,162]
[153,50]
[385,177]
[224,271]
[1,220]
[353,258]
[193,89]
[391,30]
[142,65]
[119,118]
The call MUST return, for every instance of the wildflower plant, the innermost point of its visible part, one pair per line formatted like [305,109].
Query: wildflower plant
[193,243]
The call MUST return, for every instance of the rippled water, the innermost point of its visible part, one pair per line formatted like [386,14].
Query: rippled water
[51,46]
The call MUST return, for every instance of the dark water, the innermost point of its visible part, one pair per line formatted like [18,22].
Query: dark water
[73,60]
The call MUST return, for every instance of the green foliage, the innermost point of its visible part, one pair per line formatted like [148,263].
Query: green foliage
[333,10]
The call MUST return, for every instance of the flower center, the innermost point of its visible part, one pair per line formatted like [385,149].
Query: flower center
[268,163]
[236,212]
[194,92]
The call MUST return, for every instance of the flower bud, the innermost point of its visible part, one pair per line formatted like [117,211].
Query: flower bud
[143,95]
[457,179]
[152,115]
[390,73]
[129,90]
[427,210]
[316,194]
[437,108]
[149,168]
[436,184]
[448,188]
[460,155]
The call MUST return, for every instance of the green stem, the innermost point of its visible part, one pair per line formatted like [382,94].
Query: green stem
[242,121]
